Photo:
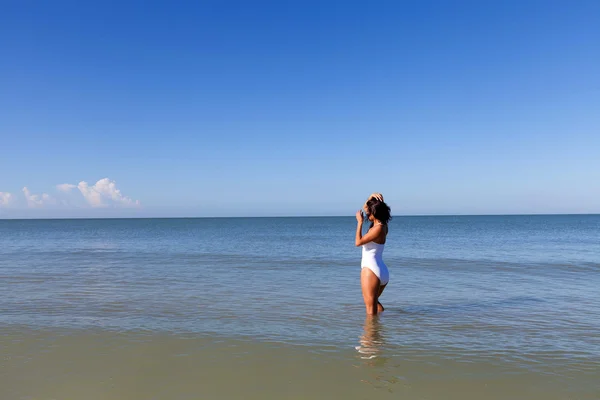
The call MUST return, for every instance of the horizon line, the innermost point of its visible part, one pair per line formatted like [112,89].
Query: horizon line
[299,216]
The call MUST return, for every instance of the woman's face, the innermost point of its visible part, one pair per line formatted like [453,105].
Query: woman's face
[366,210]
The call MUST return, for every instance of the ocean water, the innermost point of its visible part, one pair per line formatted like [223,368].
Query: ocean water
[477,307]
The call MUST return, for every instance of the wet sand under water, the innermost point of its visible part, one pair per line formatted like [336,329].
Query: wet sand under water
[77,364]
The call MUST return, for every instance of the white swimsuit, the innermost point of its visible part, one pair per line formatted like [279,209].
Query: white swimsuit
[372,258]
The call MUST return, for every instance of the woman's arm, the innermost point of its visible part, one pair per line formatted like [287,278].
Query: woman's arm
[373,233]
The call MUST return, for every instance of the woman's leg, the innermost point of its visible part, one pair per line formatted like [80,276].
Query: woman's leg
[379,306]
[369,283]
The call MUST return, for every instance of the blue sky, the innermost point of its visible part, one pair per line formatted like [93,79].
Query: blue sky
[223,108]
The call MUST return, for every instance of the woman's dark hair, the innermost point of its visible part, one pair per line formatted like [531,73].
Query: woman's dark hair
[379,210]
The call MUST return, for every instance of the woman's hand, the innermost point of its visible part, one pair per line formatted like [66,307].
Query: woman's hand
[359,216]
[377,196]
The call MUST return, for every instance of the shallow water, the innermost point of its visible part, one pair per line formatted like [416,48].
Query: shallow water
[487,307]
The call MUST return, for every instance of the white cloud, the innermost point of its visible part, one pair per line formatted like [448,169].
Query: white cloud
[6,199]
[36,201]
[91,195]
[105,193]
[66,187]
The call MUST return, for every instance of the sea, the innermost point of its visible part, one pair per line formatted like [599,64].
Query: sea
[478,307]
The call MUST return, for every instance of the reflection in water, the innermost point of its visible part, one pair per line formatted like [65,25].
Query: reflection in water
[375,353]
[372,339]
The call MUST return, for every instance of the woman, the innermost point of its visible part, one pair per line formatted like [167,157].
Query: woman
[374,275]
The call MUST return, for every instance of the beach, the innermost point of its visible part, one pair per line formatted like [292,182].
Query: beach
[494,307]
